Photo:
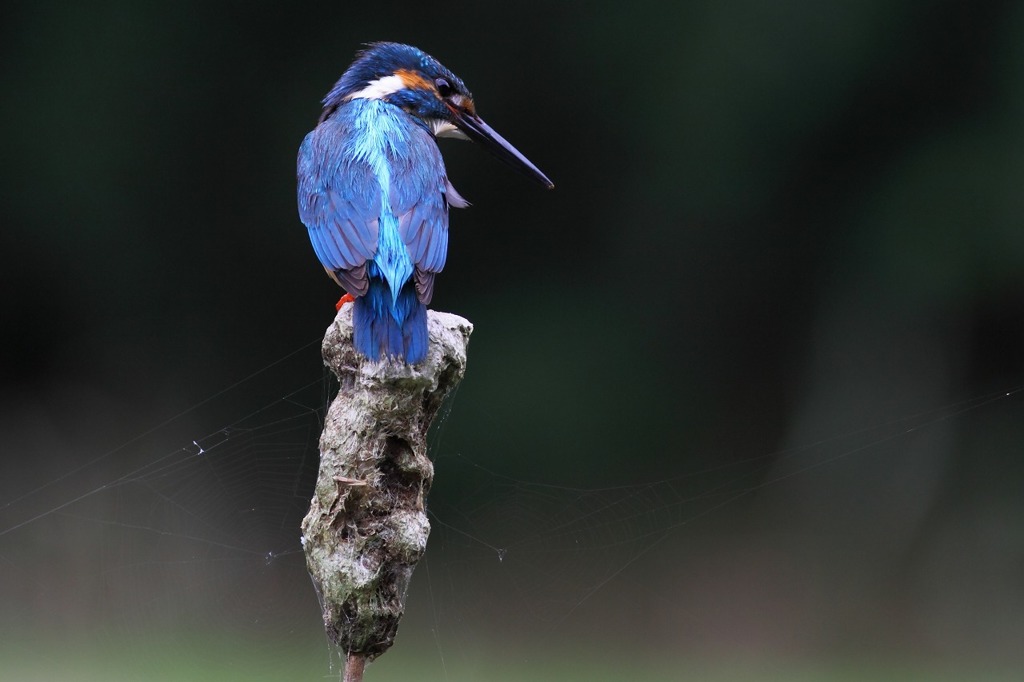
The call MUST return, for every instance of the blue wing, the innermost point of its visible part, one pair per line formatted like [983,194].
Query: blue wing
[339,203]
[418,199]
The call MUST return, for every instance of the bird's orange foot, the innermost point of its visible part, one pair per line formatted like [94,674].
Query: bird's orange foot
[347,298]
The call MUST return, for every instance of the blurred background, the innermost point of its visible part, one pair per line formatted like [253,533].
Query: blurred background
[744,395]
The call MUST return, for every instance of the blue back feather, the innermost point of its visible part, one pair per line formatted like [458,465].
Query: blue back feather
[371,192]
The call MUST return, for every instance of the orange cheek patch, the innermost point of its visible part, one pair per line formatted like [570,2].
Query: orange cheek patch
[414,80]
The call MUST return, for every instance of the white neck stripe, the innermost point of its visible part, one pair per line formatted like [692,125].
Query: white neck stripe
[380,88]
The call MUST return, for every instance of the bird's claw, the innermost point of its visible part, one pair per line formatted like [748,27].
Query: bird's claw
[347,298]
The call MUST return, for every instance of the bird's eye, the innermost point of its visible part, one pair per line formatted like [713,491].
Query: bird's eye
[443,88]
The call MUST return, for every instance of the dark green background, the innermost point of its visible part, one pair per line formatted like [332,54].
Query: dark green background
[774,224]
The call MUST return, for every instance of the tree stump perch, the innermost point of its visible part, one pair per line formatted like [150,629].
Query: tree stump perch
[367,527]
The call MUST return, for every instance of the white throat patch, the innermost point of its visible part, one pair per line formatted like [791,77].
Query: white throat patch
[442,128]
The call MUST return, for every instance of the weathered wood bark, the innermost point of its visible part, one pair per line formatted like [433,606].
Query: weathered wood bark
[366,528]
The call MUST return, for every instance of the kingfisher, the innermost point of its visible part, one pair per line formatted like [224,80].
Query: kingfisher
[374,194]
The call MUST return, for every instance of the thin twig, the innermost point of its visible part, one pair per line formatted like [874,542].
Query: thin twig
[354,664]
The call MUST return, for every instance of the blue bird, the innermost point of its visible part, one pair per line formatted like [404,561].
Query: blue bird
[374,194]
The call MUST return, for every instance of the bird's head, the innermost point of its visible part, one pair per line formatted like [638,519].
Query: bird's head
[421,86]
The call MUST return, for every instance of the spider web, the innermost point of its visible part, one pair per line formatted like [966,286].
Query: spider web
[192,527]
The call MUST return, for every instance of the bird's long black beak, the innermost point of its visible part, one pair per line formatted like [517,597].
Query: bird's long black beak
[478,131]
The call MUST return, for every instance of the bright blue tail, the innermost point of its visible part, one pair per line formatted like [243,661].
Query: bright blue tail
[383,328]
